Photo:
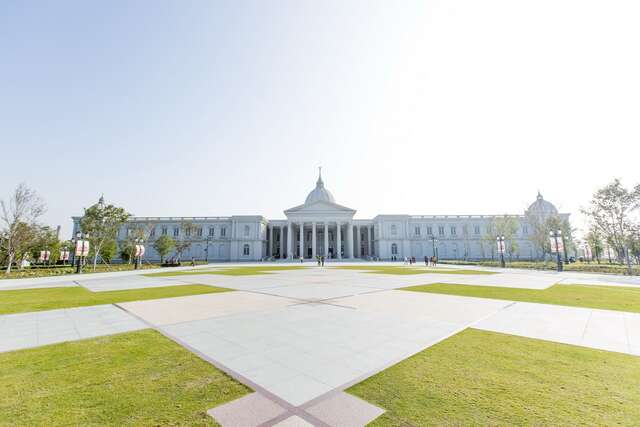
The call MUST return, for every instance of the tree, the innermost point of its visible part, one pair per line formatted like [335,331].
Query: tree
[43,238]
[19,215]
[108,250]
[507,226]
[613,210]
[102,223]
[163,245]
[594,239]
[183,242]
[489,238]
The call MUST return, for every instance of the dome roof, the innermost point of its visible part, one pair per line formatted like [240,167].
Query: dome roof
[542,208]
[319,193]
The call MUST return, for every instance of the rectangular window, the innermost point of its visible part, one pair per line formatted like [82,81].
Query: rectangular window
[212,231]
[188,231]
[223,231]
[164,231]
[199,232]
[441,230]
[176,232]
[417,231]
[476,229]
[525,229]
[453,230]
[152,233]
[331,236]
[430,230]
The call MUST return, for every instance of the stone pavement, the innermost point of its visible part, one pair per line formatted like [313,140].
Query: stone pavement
[602,329]
[24,330]
[300,337]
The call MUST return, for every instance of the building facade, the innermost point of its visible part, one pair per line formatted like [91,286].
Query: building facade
[320,226]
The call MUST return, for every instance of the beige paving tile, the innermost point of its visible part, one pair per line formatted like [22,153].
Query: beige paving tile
[248,411]
[345,410]
[183,309]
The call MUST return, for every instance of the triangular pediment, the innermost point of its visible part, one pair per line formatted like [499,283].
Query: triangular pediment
[320,206]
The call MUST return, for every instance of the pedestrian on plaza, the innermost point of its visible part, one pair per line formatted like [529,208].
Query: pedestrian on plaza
[426,261]
[301,259]
[322,260]
[193,262]
[318,260]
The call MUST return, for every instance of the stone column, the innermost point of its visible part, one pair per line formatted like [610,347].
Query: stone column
[358,242]
[302,239]
[270,240]
[338,241]
[326,239]
[350,240]
[289,240]
[369,242]
[282,254]
[313,240]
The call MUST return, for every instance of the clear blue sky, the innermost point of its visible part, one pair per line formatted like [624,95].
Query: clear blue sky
[228,107]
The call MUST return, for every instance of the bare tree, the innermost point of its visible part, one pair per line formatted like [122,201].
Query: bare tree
[21,212]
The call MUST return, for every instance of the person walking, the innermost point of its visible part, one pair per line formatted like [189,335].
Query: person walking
[322,260]
[426,261]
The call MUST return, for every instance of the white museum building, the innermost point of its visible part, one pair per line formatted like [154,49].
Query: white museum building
[320,226]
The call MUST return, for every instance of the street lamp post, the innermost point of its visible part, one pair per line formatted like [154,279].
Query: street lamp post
[501,249]
[82,249]
[555,235]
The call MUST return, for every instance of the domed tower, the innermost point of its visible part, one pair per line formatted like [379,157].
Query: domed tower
[541,209]
[319,193]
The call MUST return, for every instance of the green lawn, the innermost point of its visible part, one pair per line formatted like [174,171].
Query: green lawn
[401,270]
[229,271]
[138,378]
[25,300]
[486,378]
[604,297]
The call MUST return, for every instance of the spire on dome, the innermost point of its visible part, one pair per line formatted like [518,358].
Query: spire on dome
[320,193]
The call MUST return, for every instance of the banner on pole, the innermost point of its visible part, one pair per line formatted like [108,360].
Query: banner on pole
[139,250]
[501,247]
[82,248]
[556,244]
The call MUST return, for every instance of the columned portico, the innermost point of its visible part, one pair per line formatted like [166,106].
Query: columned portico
[321,209]
[358,242]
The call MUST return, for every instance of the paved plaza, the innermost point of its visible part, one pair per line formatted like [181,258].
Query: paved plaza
[300,337]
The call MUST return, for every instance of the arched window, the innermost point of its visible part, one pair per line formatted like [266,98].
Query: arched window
[394,249]
[245,250]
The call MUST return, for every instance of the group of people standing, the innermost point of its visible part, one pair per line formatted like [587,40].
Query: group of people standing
[433,261]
